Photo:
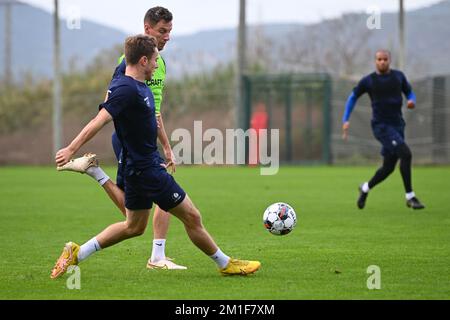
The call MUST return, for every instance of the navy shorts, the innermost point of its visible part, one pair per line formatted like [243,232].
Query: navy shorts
[390,136]
[151,185]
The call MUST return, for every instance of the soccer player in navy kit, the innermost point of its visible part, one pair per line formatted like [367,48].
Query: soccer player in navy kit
[131,106]
[385,88]
[157,24]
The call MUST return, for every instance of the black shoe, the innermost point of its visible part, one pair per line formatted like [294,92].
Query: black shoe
[362,197]
[414,203]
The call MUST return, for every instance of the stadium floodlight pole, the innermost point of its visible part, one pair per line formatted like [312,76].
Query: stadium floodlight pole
[57,118]
[401,31]
[241,66]
[7,73]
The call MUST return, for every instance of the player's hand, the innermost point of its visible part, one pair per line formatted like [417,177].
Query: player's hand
[63,156]
[345,127]
[170,165]
[411,104]
[170,158]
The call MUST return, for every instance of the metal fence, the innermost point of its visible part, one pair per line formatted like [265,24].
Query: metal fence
[299,106]
[306,108]
[427,126]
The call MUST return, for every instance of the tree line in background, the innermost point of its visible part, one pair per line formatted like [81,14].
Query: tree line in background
[28,104]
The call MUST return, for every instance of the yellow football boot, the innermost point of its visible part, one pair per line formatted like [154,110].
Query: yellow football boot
[68,257]
[240,267]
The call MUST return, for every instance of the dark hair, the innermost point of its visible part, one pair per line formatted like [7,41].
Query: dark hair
[156,14]
[138,46]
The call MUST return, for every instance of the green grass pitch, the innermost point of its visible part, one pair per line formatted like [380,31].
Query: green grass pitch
[325,257]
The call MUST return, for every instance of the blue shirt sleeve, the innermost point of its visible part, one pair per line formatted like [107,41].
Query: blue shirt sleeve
[406,88]
[359,90]
[118,100]
[349,105]
[411,96]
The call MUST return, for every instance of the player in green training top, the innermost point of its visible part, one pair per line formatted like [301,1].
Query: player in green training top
[158,24]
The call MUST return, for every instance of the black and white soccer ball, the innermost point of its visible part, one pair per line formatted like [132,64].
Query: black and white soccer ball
[279,218]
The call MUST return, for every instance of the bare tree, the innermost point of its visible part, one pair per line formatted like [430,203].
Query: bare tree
[349,38]
[337,46]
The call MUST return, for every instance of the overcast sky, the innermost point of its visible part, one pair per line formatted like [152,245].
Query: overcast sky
[196,15]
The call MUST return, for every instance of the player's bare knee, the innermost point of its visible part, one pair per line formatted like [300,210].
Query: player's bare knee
[139,230]
[135,230]
[193,218]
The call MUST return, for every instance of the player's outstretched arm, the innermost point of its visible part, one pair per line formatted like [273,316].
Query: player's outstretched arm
[87,133]
[360,89]
[349,106]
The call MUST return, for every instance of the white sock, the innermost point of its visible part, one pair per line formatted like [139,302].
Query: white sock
[220,258]
[158,250]
[98,174]
[88,248]
[410,195]
[365,187]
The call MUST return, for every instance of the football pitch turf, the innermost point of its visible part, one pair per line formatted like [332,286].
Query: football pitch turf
[326,256]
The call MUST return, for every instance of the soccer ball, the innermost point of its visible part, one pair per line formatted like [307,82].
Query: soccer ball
[279,218]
